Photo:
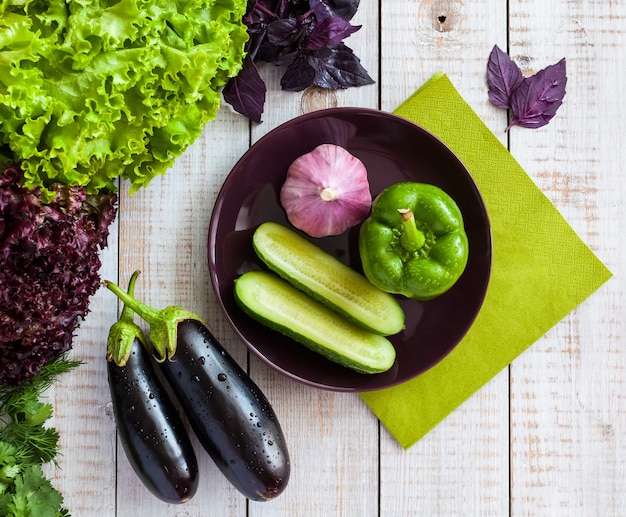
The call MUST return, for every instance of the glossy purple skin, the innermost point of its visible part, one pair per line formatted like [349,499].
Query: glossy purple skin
[230,415]
[393,150]
[151,430]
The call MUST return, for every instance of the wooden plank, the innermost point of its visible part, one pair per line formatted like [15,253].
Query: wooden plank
[333,438]
[568,391]
[461,467]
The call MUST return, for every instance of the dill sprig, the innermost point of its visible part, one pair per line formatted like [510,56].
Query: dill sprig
[26,444]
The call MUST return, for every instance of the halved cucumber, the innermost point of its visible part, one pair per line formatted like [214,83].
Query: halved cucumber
[280,306]
[327,279]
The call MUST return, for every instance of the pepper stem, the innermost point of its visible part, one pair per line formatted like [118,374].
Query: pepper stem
[412,238]
[163,323]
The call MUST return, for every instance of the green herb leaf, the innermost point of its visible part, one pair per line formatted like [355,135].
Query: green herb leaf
[26,444]
[34,495]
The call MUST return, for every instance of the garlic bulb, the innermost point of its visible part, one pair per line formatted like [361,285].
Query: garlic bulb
[326,191]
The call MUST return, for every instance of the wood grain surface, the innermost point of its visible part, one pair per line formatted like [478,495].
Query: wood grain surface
[546,437]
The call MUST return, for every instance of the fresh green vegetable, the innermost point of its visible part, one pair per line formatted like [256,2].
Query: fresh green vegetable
[280,306]
[26,444]
[91,90]
[327,279]
[414,243]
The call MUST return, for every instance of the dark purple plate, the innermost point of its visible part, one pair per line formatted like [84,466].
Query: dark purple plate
[392,150]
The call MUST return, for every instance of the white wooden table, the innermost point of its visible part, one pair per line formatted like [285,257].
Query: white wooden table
[546,437]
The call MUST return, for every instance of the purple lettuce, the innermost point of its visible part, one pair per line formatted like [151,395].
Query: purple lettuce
[49,269]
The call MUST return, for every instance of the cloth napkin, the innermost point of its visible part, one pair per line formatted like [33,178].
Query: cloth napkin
[541,270]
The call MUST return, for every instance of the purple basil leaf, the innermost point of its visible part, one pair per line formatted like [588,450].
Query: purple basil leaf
[283,32]
[286,58]
[298,75]
[270,53]
[345,9]
[329,32]
[537,98]
[338,67]
[503,77]
[246,92]
[283,8]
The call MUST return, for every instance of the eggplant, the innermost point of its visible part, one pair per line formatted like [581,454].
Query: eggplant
[230,415]
[151,430]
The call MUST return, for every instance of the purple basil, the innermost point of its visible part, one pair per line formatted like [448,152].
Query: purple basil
[537,98]
[246,92]
[306,38]
[329,32]
[532,100]
[283,32]
[345,9]
[338,67]
[503,77]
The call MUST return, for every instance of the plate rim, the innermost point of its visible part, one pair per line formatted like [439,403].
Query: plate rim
[230,178]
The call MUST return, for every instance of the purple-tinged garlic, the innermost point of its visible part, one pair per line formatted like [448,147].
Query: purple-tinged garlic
[326,191]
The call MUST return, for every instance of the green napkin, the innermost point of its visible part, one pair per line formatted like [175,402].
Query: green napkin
[541,270]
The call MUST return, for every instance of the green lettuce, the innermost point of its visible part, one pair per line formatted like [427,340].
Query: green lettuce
[91,90]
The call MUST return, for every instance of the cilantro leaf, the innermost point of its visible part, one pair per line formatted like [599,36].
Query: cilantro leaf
[26,444]
[34,495]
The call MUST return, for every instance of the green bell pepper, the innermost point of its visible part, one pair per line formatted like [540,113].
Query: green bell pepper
[414,242]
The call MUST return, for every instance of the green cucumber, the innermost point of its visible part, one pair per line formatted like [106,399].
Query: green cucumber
[327,279]
[278,305]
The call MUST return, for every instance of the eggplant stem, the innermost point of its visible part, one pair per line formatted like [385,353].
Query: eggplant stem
[124,332]
[127,313]
[163,323]
[145,312]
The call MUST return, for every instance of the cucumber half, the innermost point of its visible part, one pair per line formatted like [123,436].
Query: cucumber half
[327,279]
[280,306]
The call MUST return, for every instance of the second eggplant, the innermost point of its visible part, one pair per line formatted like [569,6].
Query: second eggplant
[230,415]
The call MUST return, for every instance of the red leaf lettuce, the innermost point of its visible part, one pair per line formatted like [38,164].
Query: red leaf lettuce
[49,268]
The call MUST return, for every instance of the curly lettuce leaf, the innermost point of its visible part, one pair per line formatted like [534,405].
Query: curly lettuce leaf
[92,90]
